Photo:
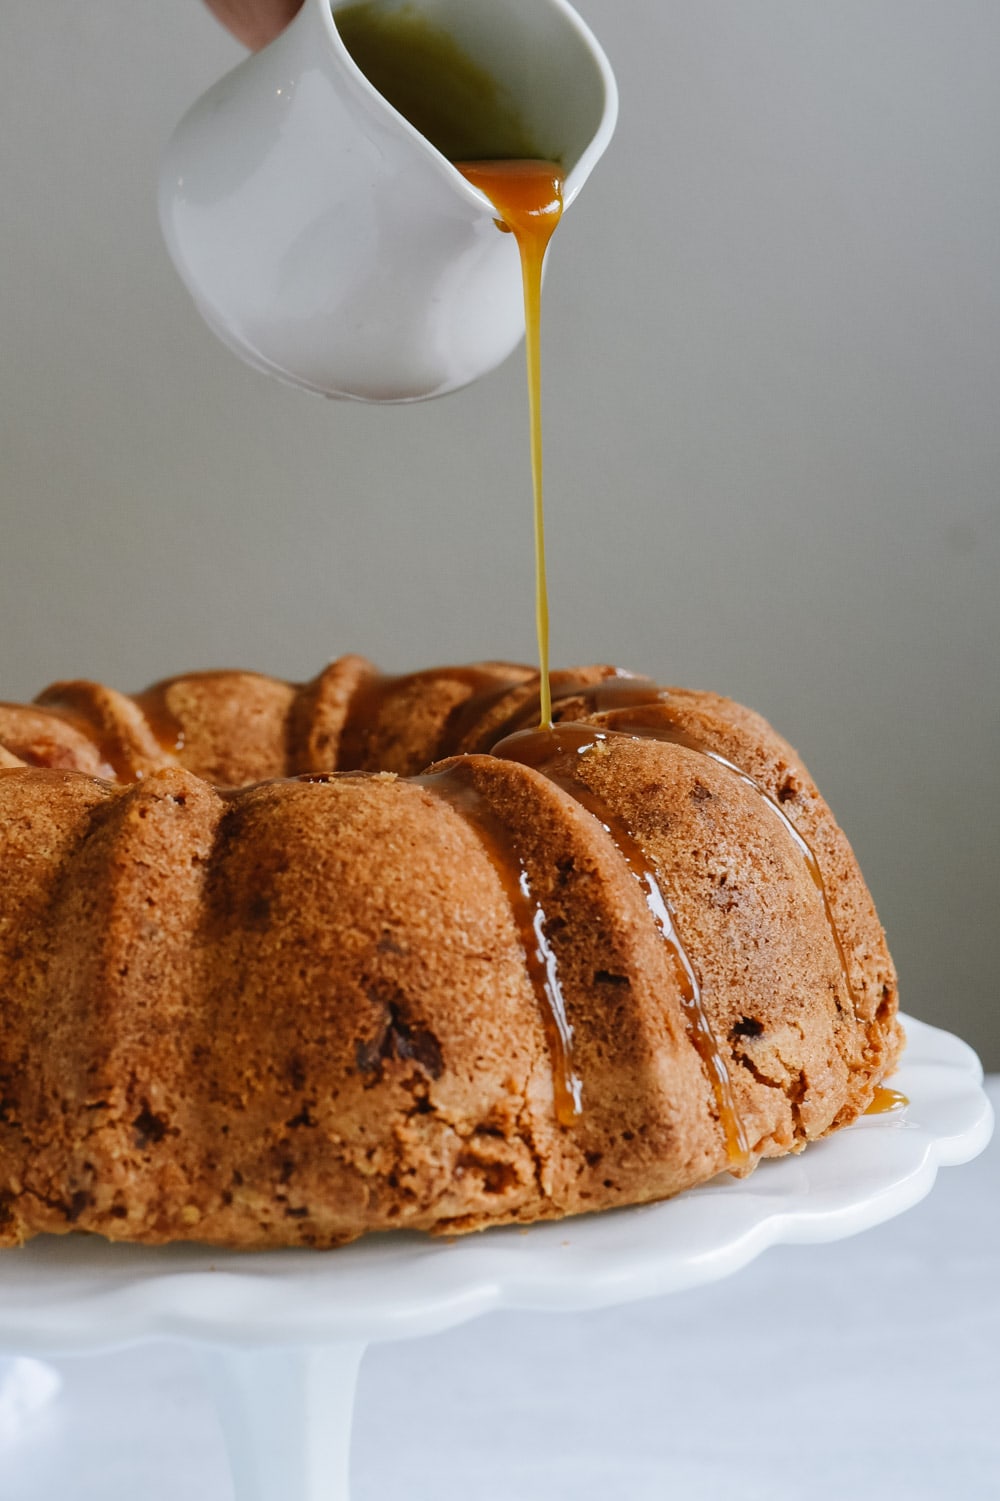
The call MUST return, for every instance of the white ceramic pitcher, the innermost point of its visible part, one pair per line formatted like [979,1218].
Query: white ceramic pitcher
[327,242]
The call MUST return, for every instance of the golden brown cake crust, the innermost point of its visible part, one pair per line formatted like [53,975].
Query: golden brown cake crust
[252,1000]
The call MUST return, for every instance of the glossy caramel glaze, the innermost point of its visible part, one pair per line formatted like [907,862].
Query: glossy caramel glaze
[556,754]
[453,784]
[886,1101]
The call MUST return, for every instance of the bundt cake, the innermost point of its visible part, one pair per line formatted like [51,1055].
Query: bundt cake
[280,965]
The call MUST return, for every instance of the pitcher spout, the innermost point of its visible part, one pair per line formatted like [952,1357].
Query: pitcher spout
[315,215]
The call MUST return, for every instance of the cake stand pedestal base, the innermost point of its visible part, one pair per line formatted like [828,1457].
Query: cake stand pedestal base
[286,1416]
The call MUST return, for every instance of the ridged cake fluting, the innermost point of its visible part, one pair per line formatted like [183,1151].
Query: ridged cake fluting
[281,964]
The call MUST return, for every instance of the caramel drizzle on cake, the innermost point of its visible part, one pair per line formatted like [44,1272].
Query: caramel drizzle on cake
[452,784]
[617,695]
[334,719]
[663,730]
[555,753]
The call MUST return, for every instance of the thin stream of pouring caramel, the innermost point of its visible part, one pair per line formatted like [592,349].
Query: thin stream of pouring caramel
[528,197]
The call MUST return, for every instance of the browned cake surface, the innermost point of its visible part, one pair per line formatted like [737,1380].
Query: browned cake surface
[249,1002]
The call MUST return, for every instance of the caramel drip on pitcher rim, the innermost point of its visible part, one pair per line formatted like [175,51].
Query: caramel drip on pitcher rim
[555,753]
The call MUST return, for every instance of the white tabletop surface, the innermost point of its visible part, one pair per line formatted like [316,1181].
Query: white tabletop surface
[866,1367]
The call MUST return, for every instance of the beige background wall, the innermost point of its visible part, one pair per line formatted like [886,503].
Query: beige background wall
[773,436]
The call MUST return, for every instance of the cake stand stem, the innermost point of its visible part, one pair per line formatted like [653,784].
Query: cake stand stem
[286,1415]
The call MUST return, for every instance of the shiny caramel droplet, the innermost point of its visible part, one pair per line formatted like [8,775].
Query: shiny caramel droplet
[886,1101]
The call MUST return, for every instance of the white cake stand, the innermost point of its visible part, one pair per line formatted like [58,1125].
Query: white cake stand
[282,1333]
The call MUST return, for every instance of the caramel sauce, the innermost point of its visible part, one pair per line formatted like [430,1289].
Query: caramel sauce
[556,753]
[656,725]
[73,705]
[641,711]
[619,690]
[165,727]
[887,1101]
[528,196]
[454,785]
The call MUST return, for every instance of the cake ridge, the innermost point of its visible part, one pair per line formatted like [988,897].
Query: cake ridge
[449,781]
[554,752]
[626,722]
